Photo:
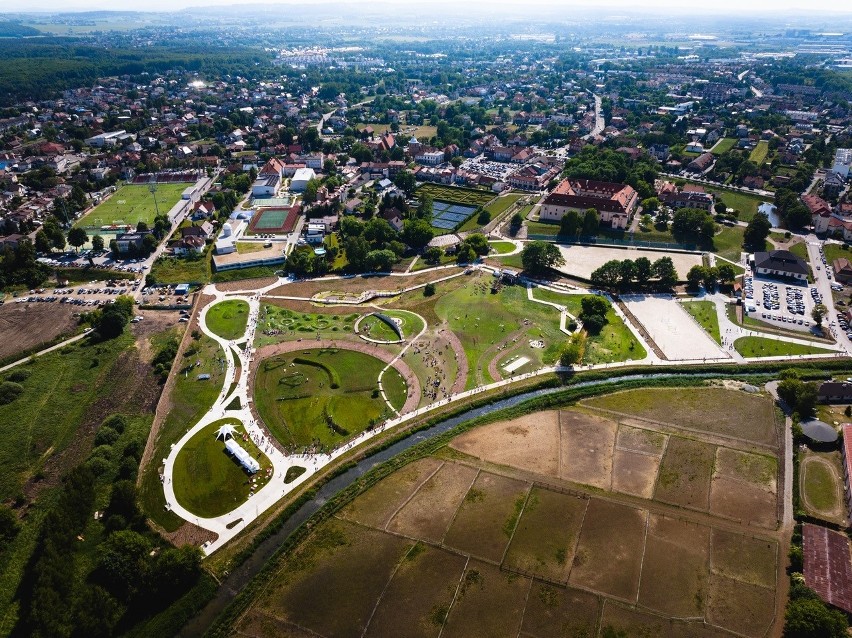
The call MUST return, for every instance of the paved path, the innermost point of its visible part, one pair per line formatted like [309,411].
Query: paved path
[59,345]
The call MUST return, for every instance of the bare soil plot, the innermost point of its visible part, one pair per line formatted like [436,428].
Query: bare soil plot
[740,607]
[581,261]
[587,447]
[685,473]
[744,487]
[546,535]
[490,603]
[676,567]
[641,440]
[417,599]
[258,623]
[557,612]
[634,473]
[431,510]
[26,325]
[751,560]
[378,504]
[487,516]
[633,622]
[528,443]
[355,285]
[714,410]
[331,585]
[609,554]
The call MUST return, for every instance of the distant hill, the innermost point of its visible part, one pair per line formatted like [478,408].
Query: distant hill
[9,29]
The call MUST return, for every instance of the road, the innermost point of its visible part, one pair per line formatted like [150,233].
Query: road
[599,119]
[59,345]
[823,284]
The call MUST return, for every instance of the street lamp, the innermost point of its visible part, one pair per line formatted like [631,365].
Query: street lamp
[152,186]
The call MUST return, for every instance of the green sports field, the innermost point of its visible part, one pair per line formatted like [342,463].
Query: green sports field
[131,204]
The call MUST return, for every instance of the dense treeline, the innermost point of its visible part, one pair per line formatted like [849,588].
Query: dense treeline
[75,589]
[36,70]
[610,166]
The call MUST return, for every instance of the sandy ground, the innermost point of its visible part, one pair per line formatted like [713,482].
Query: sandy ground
[672,329]
[580,261]
[26,325]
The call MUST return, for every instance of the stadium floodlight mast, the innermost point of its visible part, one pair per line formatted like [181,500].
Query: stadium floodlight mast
[152,186]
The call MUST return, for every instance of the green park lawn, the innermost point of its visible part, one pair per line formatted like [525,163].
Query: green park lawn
[210,482]
[374,328]
[724,145]
[276,324]
[705,314]
[746,203]
[482,321]
[323,396]
[613,343]
[247,247]
[131,204]
[228,319]
[759,153]
[820,486]
[728,243]
[180,270]
[189,400]
[762,347]
[501,247]
[500,205]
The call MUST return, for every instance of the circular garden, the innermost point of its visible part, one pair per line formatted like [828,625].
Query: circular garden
[320,397]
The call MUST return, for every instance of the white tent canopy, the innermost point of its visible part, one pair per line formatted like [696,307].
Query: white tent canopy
[245,459]
[224,432]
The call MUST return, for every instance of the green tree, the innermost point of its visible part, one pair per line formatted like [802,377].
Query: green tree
[812,618]
[570,224]
[97,243]
[607,275]
[42,242]
[465,253]
[515,224]
[380,260]
[417,233]
[351,227]
[538,256]
[642,270]
[9,525]
[591,223]
[123,563]
[356,252]
[433,255]
[429,290]
[479,243]
[111,321]
[650,205]
[626,272]
[379,232]
[573,352]
[77,237]
[310,194]
[424,208]
[665,272]
[406,182]
[726,272]
[299,262]
[755,234]
[696,275]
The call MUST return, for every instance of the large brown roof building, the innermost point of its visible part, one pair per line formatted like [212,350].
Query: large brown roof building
[614,202]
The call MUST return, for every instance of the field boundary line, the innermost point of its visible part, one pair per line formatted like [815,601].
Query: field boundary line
[559,444]
[524,611]
[577,543]
[517,522]
[412,495]
[644,551]
[288,622]
[455,597]
[385,588]
[456,513]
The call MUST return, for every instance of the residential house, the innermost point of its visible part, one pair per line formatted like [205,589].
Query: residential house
[780,263]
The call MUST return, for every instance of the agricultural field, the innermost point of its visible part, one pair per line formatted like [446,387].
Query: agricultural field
[495,535]
[131,204]
[323,396]
[456,195]
[759,153]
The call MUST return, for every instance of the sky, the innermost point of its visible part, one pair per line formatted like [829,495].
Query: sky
[718,6]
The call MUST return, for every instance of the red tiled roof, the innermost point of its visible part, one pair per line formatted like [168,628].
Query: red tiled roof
[828,565]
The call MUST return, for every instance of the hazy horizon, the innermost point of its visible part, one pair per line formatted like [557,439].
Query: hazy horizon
[718,7]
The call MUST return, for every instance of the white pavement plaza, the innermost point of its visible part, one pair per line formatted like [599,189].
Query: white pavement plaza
[675,332]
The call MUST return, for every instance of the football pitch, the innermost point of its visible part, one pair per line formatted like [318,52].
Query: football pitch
[131,204]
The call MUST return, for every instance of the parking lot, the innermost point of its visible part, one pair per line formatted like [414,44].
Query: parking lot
[785,305]
[497,170]
[93,294]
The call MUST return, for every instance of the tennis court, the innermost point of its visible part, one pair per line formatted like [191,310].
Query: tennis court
[273,220]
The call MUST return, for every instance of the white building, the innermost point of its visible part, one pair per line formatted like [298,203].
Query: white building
[301,178]
[266,186]
[842,161]
[106,139]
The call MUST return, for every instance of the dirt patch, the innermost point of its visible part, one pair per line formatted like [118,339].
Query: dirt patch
[609,554]
[419,595]
[544,541]
[248,285]
[378,504]
[461,359]
[431,510]
[353,285]
[489,603]
[190,534]
[588,442]
[487,517]
[330,585]
[685,473]
[676,567]
[740,607]
[529,443]
[155,323]
[557,612]
[751,560]
[27,325]
[633,622]
[744,502]
[641,440]
[634,473]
